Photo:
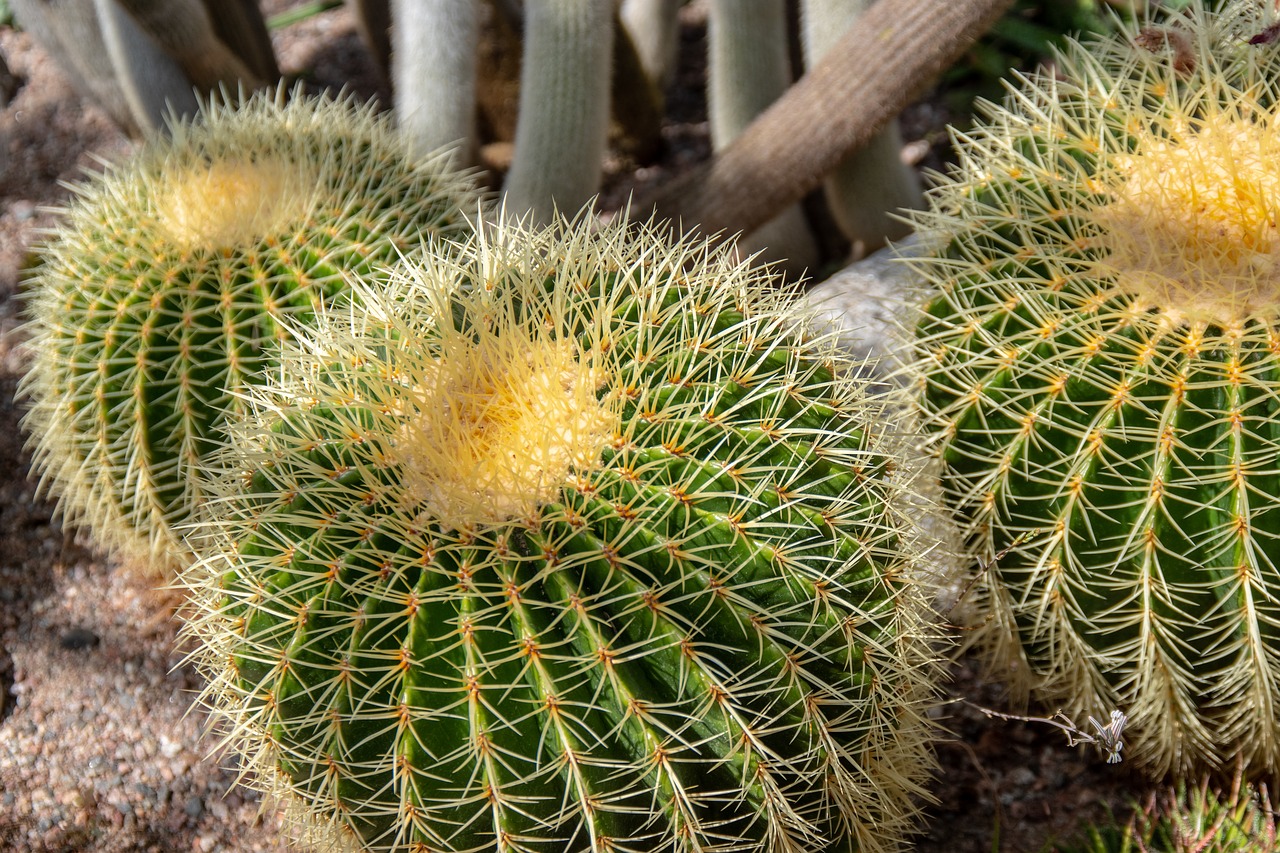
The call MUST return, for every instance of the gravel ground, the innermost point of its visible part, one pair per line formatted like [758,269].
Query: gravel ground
[101,748]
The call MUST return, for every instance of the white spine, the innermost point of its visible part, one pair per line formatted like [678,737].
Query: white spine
[433,68]
[564,106]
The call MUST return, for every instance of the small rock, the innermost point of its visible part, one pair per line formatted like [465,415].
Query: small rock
[22,210]
[75,639]
[169,747]
[867,303]
[194,807]
[1021,777]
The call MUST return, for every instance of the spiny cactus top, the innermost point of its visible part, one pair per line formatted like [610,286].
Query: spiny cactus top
[575,542]
[1103,370]
[163,290]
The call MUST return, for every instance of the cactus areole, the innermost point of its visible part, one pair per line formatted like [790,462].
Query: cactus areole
[575,542]
[165,290]
[1102,369]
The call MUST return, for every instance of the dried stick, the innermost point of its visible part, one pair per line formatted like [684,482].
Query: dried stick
[868,76]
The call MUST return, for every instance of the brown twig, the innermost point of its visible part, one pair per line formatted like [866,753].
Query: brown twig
[896,50]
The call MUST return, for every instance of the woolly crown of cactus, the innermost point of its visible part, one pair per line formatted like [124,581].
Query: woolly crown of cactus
[573,542]
[1102,371]
[165,288]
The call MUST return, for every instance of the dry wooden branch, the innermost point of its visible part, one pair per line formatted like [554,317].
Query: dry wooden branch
[896,50]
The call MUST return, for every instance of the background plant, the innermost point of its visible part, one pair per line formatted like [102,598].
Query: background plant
[1189,819]
[141,59]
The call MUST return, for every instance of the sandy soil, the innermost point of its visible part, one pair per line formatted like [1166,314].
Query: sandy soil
[101,748]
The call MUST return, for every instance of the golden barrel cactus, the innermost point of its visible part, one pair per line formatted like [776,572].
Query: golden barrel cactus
[1101,371]
[574,542]
[165,289]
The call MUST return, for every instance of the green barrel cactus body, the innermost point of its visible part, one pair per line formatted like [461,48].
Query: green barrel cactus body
[164,291]
[1102,369]
[576,542]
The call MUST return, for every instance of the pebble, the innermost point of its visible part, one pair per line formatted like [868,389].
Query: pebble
[863,305]
[1021,777]
[169,747]
[23,210]
[194,807]
[76,639]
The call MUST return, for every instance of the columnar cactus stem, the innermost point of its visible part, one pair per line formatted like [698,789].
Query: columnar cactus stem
[872,183]
[572,542]
[373,22]
[861,84]
[564,106]
[151,81]
[433,66]
[747,69]
[654,26]
[184,30]
[69,31]
[240,26]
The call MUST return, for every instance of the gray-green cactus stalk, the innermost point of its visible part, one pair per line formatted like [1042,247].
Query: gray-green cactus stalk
[563,120]
[239,25]
[433,66]
[165,289]
[71,33]
[654,27]
[1102,372]
[185,31]
[151,82]
[747,69]
[872,184]
[574,541]
[144,60]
